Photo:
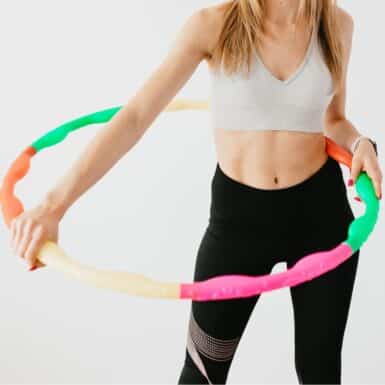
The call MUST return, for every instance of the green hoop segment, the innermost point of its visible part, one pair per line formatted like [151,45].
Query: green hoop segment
[358,231]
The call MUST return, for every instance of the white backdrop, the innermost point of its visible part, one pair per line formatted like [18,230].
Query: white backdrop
[61,59]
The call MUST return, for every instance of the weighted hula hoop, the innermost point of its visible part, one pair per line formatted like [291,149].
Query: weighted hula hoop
[216,288]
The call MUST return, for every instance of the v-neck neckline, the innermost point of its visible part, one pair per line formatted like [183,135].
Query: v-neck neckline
[299,68]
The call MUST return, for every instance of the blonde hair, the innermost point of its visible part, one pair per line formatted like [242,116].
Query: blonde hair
[244,25]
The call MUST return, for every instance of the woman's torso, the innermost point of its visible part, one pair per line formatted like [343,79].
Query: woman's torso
[273,157]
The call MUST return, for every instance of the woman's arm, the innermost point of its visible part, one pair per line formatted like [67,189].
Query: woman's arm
[33,227]
[131,122]
[339,128]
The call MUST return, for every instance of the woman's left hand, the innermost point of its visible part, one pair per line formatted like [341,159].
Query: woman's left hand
[365,158]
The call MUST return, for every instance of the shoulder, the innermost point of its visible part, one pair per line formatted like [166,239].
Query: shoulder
[205,24]
[346,23]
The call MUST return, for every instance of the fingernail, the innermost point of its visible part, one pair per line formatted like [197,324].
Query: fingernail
[358,199]
[350,182]
[32,268]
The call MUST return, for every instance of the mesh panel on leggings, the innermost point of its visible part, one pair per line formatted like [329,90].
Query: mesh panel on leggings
[213,348]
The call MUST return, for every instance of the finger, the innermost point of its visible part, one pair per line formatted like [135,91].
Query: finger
[34,246]
[375,175]
[358,199]
[355,171]
[13,233]
[38,264]
[377,187]
[12,230]
[18,233]
[25,238]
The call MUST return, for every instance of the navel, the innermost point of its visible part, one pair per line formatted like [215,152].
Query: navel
[275,180]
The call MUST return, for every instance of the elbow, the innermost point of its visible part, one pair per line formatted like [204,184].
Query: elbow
[330,123]
[140,118]
[132,119]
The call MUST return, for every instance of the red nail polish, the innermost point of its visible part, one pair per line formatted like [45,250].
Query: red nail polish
[358,199]
[350,182]
[33,268]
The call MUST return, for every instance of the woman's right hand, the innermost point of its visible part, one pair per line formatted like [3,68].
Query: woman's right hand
[30,230]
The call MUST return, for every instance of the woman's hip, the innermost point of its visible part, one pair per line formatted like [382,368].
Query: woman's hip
[317,204]
[251,229]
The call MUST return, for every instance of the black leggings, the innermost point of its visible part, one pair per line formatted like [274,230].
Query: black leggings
[249,231]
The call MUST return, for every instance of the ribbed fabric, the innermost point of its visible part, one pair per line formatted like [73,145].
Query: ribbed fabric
[263,102]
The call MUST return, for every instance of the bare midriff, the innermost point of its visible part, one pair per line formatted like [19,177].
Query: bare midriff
[269,159]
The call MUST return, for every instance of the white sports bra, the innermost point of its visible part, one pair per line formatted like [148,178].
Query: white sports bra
[263,102]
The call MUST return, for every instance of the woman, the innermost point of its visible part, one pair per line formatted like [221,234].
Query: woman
[278,71]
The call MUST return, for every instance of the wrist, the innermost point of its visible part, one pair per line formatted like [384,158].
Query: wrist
[53,205]
[355,143]
[358,140]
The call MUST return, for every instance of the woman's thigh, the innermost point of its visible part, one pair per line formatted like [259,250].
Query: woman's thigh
[321,306]
[215,327]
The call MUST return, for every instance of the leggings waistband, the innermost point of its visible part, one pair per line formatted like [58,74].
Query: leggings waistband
[329,168]
[233,202]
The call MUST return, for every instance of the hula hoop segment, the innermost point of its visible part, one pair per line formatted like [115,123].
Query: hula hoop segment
[217,288]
